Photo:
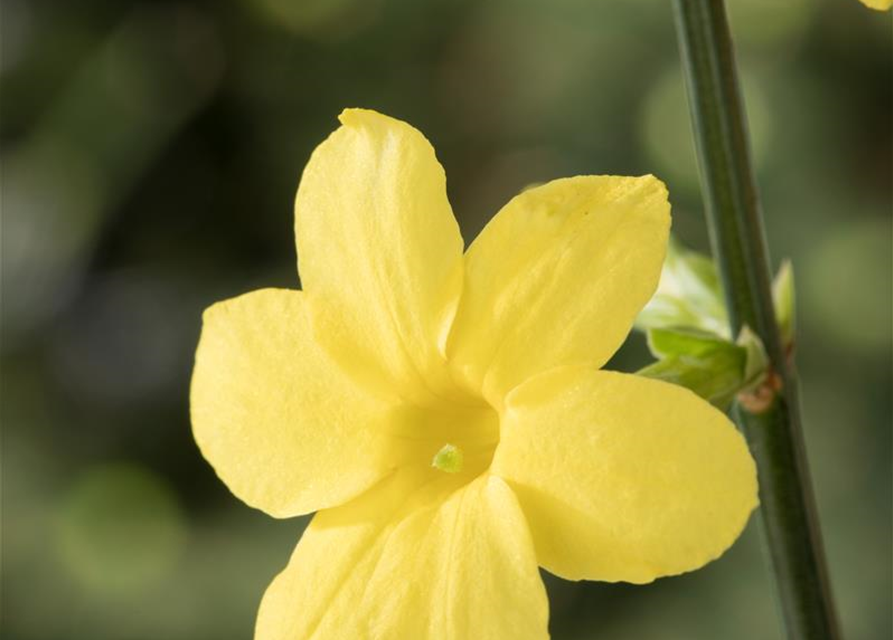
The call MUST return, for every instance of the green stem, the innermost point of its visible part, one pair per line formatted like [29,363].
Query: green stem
[772,425]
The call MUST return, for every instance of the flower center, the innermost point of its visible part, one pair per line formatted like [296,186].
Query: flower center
[449,459]
[455,439]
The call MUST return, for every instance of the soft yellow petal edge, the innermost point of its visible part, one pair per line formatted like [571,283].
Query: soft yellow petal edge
[285,429]
[412,560]
[878,5]
[379,252]
[623,478]
[557,278]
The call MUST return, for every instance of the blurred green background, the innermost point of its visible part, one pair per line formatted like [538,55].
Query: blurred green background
[150,155]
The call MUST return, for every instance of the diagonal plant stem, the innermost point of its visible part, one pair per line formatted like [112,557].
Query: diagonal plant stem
[771,418]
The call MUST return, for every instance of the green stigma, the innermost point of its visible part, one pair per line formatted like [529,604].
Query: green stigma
[449,459]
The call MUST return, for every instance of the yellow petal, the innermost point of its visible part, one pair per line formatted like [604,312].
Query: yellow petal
[557,278]
[622,477]
[880,5]
[379,251]
[434,563]
[283,427]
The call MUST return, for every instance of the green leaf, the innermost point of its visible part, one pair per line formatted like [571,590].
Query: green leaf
[688,295]
[668,343]
[716,377]
[687,330]
[714,368]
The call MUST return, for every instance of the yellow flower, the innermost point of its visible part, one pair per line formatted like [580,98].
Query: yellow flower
[446,414]
[880,5]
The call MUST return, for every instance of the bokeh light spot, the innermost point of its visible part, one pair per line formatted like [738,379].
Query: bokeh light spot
[120,529]
[845,279]
[319,19]
[767,23]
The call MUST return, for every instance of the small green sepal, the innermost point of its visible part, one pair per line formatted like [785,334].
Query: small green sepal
[756,362]
[784,300]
